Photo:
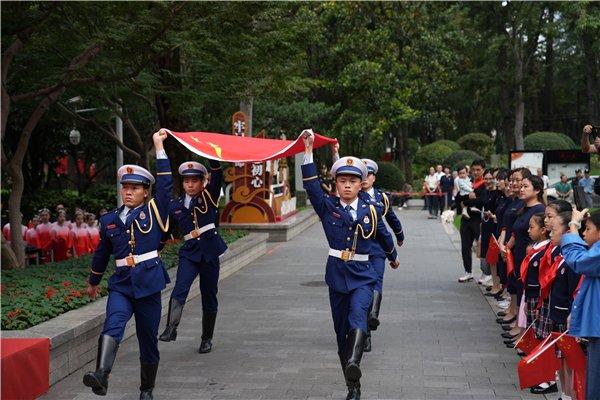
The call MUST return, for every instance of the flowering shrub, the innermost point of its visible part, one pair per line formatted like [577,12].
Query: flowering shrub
[40,292]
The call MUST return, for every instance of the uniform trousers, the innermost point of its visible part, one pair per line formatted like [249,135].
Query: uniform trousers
[209,279]
[349,311]
[147,311]
[378,264]
[469,232]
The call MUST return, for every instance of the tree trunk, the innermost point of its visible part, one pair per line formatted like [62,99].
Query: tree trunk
[519,100]
[548,91]
[591,80]
[9,259]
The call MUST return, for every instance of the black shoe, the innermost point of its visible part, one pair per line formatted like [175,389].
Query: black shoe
[540,390]
[499,296]
[510,345]
[488,289]
[367,348]
[505,321]
[208,328]
[507,328]
[501,314]
[107,352]
[355,344]
[521,353]
[508,335]
[510,341]
[353,393]
[374,314]
[148,377]
[173,318]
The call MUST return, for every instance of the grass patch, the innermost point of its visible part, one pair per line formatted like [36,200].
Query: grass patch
[38,293]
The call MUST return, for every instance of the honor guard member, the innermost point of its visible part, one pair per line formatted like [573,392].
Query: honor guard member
[349,224]
[377,257]
[196,213]
[132,234]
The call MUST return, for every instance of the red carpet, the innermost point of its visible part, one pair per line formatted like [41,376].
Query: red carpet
[25,368]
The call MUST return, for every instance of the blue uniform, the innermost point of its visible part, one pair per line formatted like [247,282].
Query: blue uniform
[135,290]
[377,256]
[200,255]
[350,282]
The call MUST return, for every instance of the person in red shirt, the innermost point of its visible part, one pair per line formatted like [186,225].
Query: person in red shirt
[62,243]
[92,226]
[44,237]
[6,231]
[82,241]
[32,238]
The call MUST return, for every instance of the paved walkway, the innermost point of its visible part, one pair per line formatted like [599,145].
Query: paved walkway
[274,337]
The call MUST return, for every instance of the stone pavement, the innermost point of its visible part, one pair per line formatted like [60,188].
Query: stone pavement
[274,337]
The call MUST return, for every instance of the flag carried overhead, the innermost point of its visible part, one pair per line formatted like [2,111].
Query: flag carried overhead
[226,147]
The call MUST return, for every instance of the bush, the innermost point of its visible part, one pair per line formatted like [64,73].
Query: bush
[480,143]
[97,197]
[549,141]
[433,154]
[389,176]
[449,143]
[38,293]
[461,158]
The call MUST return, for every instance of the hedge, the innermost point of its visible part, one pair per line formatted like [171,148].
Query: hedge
[389,176]
[449,143]
[480,143]
[461,158]
[433,154]
[38,293]
[549,141]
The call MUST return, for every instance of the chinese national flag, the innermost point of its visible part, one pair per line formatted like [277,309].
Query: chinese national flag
[542,369]
[528,342]
[575,359]
[510,263]
[224,147]
[493,251]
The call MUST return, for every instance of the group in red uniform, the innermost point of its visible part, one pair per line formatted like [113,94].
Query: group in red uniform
[62,239]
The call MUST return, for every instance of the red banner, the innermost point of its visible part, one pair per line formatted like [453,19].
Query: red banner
[226,147]
[538,366]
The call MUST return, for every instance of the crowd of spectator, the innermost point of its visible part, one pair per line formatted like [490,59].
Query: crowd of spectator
[61,239]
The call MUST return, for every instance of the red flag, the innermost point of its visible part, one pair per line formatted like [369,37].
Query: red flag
[493,251]
[539,366]
[575,358]
[223,147]
[528,342]
[510,262]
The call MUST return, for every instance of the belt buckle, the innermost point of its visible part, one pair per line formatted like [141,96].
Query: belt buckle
[130,259]
[195,233]
[346,255]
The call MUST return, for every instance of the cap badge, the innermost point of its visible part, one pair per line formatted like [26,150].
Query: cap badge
[349,161]
[190,165]
[129,170]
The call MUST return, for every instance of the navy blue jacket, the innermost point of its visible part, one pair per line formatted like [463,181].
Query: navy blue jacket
[382,202]
[148,224]
[561,293]
[209,245]
[340,231]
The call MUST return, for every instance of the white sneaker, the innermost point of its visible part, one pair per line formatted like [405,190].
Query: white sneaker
[485,280]
[504,304]
[465,278]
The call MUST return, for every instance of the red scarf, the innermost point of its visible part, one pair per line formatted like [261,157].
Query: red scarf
[477,183]
[525,264]
[547,279]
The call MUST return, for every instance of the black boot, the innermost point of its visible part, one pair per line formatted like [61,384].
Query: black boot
[353,392]
[208,327]
[355,344]
[368,342]
[173,318]
[374,314]
[107,351]
[148,377]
